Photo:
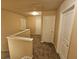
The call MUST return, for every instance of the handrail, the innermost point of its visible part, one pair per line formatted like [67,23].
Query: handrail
[20,32]
[20,38]
[14,36]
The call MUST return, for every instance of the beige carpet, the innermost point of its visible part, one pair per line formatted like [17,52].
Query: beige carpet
[43,50]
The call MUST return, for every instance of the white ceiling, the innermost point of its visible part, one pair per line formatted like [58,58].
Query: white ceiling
[29,5]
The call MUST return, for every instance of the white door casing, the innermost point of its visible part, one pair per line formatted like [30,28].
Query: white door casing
[48,28]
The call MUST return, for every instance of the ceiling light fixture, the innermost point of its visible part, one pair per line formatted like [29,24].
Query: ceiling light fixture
[35,13]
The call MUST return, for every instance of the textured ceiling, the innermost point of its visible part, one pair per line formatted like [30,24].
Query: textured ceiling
[29,5]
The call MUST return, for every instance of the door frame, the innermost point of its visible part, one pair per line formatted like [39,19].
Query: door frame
[60,23]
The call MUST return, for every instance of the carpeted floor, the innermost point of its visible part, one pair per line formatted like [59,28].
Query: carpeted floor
[43,50]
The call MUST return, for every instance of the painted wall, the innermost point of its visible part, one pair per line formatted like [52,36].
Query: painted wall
[34,23]
[56,28]
[31,23]
[10,24]
[38,25]
[72,51]
[49,13]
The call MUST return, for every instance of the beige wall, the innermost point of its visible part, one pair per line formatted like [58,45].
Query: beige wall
[34,23]
[49,12]
[72,51]
[31,23]
[10,24]
[38,25]
[56,28]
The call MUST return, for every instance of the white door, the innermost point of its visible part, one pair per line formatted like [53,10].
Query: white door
[48,28]
[67,22]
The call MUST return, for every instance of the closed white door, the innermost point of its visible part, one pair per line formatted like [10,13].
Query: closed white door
[48,28]
[66,28]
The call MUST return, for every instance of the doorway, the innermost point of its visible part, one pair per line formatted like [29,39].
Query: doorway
[65,32]
[48,29]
